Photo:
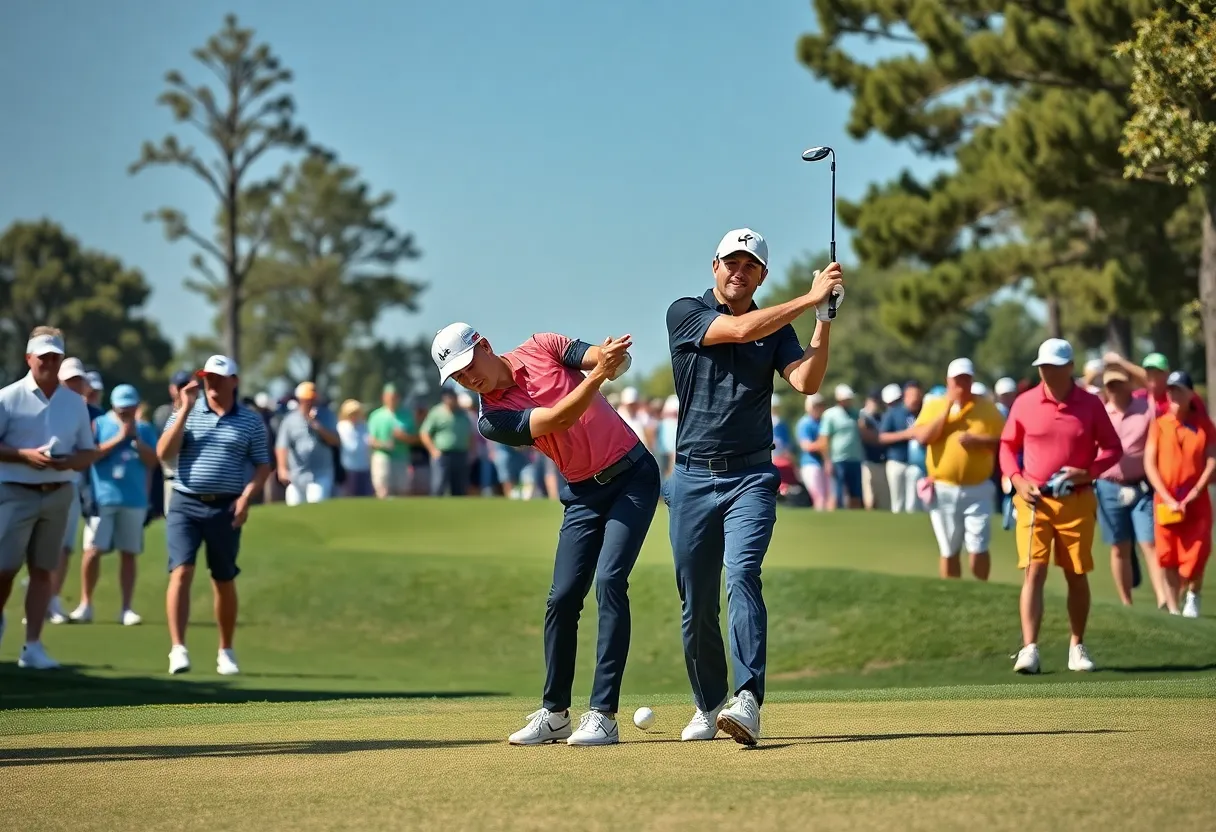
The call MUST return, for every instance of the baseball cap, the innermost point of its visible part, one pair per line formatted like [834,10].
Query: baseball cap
[44,344]
[843,392]
[1156,361]
[1054,352]
[960,367]
[71,368]
[452,349]
[978,388]
[218,365]
[124,395]
[1180,378]
[1114,374]
[306,390]
[743,239]
[180,379]
[892,393]
[94,379]
[1004,386]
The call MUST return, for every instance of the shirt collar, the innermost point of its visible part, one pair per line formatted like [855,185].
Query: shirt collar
[711,300]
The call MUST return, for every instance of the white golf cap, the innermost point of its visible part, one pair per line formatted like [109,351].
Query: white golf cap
[960,367]
[71,368]
[978,388]
[743,239]
[629,395]
[452,349]
[843,392]
[44,344]
[892,393]
[1004,386]
[1054,352]
[218,365]
[94,379]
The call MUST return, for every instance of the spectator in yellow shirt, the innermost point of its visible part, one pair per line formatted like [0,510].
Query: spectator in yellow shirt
[961,433]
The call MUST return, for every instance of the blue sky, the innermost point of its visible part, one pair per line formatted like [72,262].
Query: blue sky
[564,166]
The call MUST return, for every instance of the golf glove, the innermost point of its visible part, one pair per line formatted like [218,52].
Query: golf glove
[821,311]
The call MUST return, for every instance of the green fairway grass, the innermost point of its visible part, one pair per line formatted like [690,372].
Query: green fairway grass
[446,597]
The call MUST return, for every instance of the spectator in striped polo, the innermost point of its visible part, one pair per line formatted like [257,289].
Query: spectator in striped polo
[223,459]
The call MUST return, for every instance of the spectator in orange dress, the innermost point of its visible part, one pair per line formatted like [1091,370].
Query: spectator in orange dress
[1179,459]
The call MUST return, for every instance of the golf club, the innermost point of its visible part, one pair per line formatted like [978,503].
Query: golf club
[818,154]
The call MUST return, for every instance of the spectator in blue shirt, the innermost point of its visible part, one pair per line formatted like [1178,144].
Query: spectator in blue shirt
[119,480]
[905,456]
[810,460]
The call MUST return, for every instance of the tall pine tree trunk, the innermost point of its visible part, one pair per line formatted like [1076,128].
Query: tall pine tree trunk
[1207,289]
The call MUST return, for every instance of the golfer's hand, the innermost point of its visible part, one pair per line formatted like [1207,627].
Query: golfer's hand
[1029,493]
[826,281]
[240,511]
[35,458]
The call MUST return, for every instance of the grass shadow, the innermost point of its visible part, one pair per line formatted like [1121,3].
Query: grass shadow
[68,687]
[10,757]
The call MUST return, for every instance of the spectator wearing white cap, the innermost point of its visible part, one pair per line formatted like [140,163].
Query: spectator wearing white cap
[304,449]
[810,461]
[126,456]
[45,441]
[905,456]
[962,433]
[840,433]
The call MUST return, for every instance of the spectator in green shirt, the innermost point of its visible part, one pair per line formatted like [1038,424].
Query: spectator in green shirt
[447,433]
[390,430]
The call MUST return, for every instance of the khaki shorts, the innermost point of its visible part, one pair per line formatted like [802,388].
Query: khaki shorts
[32,526]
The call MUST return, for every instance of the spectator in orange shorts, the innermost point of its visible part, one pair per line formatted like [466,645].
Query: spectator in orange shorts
[1179,459]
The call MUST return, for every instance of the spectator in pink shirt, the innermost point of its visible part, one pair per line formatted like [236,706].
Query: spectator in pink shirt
[537,395]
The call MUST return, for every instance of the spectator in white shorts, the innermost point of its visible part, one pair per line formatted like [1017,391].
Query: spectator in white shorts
[961,433]
[120,479]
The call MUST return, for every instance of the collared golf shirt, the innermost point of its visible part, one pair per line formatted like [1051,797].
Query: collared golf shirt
[725,390]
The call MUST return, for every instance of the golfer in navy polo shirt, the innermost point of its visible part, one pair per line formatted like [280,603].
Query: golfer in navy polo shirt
[223,459]
[723,490]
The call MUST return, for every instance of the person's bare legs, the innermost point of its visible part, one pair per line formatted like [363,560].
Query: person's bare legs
[1121,569]
[90,570]
[981,565]
[225,611]
[1031,604]
[177,603]
[126,578]
[950,567]
[1078,606]
[37,600]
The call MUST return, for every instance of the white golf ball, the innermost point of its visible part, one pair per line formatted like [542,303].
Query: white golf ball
[643,718]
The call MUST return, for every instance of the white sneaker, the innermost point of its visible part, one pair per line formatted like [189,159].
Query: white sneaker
[1027,661]
[741,719]
[82,614]
[179,659]
[54,612]
[1079,660]
[703,725]
[1191,608]
[34,657]
[130,618]
[595,728]
[543,726]
[225,663]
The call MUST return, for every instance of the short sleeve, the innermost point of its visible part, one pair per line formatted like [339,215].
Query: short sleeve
[688,320]
[788,349]
[259,451]
[507,427]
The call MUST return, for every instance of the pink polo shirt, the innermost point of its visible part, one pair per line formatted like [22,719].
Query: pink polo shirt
[1132,426]
[599,438]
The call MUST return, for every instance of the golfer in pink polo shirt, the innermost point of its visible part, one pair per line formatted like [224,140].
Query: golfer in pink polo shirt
[537,395]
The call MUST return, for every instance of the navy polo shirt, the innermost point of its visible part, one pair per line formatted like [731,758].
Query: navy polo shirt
[725,390]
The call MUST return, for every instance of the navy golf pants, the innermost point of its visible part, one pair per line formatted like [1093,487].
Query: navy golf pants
[602,532]
[722,519]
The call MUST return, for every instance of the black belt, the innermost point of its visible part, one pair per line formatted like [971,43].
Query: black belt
[726,464]
[621,465]
[44,487]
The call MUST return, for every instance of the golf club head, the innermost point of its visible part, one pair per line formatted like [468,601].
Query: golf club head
[816,154]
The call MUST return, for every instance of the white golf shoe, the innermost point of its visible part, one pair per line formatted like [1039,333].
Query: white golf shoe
[1079,660]
[1027,661]
[595,728]
[741,719]
[179,659]
[225,663]
[703,725]
[1190,609]
[34,657]
[543,726]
